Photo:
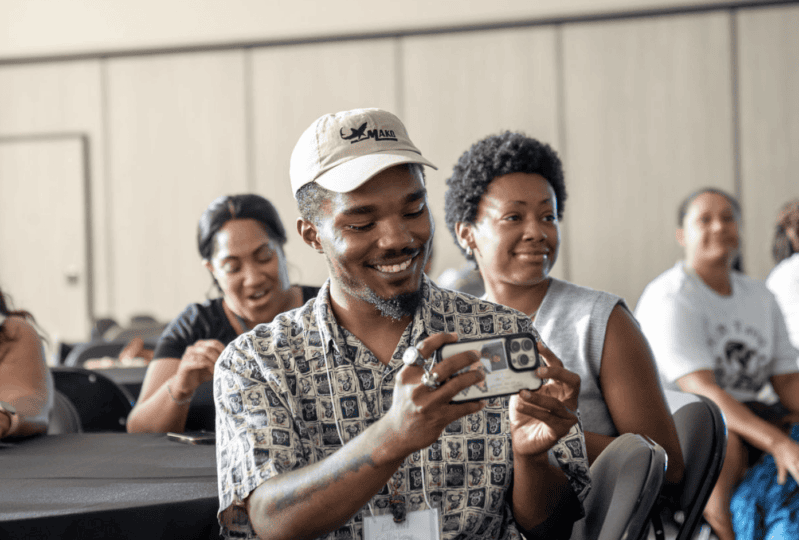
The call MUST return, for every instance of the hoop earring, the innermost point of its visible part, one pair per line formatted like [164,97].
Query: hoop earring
[468,251]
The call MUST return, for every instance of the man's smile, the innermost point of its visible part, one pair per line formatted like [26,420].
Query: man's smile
[394,268]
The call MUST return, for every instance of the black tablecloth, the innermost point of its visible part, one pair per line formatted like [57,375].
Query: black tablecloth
[107,485]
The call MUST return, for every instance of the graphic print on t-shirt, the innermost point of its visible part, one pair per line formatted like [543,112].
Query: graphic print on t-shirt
[740,360]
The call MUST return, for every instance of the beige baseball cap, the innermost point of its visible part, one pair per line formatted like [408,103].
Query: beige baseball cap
[342,151]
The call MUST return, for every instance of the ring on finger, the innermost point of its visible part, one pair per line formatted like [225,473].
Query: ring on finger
[430,380]
[412,357]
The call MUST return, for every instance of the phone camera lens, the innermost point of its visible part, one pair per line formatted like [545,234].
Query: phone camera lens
[514,346]
[527,344]
[524,359]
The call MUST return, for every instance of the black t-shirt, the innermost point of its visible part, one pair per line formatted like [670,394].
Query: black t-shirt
[196,322]
[203,321]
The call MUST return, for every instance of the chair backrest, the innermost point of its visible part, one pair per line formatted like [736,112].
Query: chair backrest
[626,479]
[703,439]
[146,327]
[97,349]
[202,413]
[64,417]
[102,404]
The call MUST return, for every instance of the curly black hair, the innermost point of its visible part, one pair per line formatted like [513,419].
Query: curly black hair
[497,155]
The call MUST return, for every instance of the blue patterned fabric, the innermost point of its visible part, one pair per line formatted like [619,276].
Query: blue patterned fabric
[761,508]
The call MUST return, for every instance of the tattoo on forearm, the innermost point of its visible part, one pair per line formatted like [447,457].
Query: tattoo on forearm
[318,480]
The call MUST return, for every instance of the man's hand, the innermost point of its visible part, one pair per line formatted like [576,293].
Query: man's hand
[564,385]
[537,422]
[539,419]
[418,413]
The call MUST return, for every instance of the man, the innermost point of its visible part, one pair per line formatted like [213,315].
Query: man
[331,424]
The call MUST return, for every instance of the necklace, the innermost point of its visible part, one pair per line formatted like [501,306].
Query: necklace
[396,501]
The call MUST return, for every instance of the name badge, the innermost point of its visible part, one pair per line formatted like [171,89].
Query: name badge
[418,525]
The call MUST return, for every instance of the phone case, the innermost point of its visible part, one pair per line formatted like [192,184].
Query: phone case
[193,437]
[509,363]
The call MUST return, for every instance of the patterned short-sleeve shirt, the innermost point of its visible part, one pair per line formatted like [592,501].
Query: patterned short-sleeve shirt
[290,392]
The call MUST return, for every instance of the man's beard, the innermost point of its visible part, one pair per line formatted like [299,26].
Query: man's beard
[397,307]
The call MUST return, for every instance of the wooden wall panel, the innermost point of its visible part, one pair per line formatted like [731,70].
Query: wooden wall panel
[177,140]
[648,120]
[768,45]
[292,87]
[460,88]
[50,98]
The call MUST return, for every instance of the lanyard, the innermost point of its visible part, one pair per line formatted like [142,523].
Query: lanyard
[396,504]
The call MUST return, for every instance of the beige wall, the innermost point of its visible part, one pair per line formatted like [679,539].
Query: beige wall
[642,109]
[768,59]
[30,28]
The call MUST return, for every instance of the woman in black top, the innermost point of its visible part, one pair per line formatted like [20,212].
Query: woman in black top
[240,239]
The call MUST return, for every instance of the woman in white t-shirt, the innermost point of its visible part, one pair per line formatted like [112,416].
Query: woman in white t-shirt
[718,333]
[783,281]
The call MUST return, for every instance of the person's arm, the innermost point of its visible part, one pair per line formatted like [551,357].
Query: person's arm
[23,379]
[632,391]
[316,499]
[544,504]
[539,488]
[168,386]
[746,424]
[786,386]
[786,357]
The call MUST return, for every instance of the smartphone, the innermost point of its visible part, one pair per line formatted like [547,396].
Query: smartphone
[193,437]
[509,363]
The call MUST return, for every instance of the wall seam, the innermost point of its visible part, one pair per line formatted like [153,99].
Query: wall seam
[736,104]
[88,227]
[249,122]
[109,188]
[399,68]
[560,107]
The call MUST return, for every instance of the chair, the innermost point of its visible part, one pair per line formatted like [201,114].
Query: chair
[86,351]
[102,404]
[64,418]
[146,327]
[702,431]
[101,327]
[626,480]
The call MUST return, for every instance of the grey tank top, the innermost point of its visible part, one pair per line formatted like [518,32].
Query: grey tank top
[572,321]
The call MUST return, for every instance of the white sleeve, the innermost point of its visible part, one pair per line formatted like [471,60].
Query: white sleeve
[784,285]
[786,356]
[676,332]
